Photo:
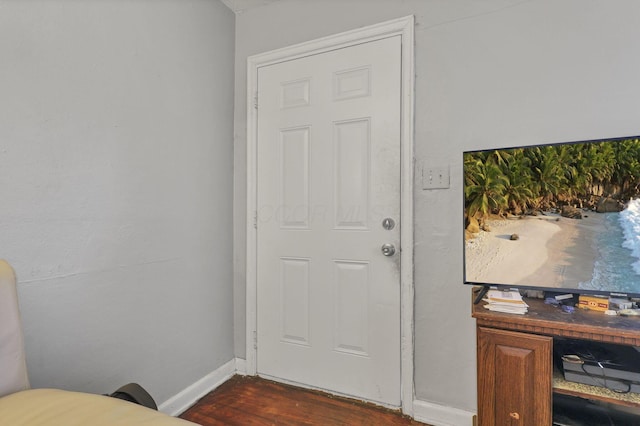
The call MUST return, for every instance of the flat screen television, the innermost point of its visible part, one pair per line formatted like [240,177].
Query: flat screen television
[562,217]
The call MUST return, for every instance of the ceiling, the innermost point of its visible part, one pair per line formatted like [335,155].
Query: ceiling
[239,6]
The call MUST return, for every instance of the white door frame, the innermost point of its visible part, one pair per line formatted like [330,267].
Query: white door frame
[405,28]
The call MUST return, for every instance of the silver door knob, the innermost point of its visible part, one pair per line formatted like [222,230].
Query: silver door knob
[388,249]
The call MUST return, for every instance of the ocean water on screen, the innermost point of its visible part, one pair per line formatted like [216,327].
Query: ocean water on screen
[617,267]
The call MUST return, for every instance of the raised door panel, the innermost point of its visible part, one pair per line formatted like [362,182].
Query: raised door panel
[514,378]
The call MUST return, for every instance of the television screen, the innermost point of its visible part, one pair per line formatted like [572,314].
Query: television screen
[562,217]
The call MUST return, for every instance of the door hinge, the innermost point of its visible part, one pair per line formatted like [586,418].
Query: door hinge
[255,220]
[255,100]
[255,340]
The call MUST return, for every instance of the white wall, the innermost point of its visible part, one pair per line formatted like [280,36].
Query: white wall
[116,128]
[488,74]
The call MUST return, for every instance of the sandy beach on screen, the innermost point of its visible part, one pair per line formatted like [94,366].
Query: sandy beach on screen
[551,251]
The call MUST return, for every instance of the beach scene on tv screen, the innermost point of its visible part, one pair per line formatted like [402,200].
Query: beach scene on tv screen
[563,216]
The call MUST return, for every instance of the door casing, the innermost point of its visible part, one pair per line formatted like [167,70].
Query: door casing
[405,28]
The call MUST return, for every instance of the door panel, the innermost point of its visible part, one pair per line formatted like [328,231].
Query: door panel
[514,378]
[328,168]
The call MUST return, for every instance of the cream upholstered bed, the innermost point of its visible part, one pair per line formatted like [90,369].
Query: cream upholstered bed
[22,406]
[48,407]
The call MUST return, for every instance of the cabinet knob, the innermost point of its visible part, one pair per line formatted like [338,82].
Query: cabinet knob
[515,416]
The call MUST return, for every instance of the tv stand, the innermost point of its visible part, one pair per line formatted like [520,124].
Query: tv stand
[482,291]
[516,380]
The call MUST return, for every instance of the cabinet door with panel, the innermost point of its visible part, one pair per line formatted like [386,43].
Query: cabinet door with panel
[514,378]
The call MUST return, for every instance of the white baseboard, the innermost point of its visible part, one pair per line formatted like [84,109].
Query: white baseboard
[441,415]
[241,366]
[190,395]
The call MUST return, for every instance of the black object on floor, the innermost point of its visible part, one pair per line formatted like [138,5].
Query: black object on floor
[135,393]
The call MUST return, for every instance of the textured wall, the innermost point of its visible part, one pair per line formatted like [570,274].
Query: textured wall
[116,188]
[488,74]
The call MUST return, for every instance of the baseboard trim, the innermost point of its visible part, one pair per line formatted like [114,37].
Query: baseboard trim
[241,366]
[178,403]
[441,415]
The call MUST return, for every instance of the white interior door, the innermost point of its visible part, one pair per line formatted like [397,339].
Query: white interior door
[328,175]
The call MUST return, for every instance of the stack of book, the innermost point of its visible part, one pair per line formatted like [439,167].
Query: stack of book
[508,301]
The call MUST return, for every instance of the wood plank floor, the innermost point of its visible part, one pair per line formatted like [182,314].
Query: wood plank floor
[253,401]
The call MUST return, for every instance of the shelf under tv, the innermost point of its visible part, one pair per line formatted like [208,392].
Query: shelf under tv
[515,360]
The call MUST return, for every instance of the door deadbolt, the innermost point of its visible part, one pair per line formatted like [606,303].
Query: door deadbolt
[388,224]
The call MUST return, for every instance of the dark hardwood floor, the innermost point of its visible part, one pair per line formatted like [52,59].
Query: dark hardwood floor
[252,401]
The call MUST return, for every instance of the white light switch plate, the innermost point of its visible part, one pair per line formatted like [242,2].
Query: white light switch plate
[435,177]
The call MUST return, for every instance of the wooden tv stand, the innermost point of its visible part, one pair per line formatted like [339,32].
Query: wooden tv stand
[516,379]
